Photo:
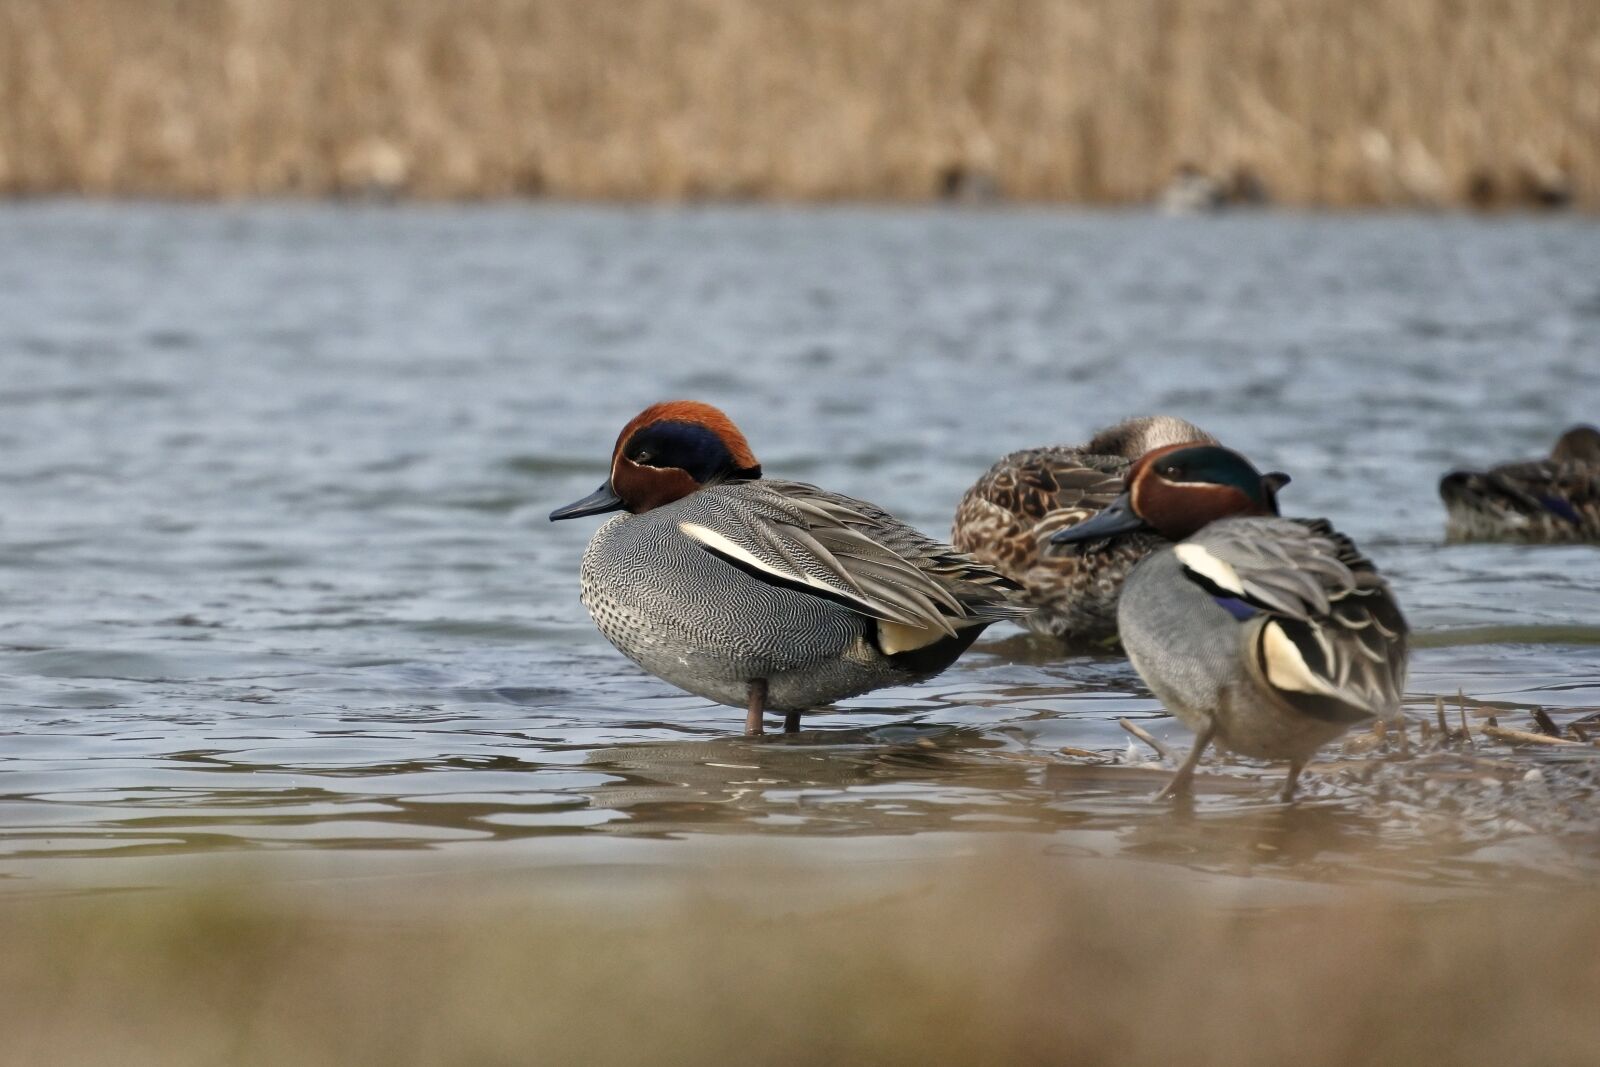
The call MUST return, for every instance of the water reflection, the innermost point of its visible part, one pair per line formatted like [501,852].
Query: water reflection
[1434,811]
[900,778]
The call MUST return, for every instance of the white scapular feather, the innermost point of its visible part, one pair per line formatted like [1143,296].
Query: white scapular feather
[731,548]
[1218,572]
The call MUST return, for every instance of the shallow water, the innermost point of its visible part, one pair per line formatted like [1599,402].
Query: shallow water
[275,574]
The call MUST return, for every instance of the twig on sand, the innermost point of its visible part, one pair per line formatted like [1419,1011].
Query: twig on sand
[1513,736]
[1466,731]
[1462,767]
[1023,757]
[1147,737]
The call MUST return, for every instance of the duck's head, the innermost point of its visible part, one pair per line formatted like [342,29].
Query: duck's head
[1581,444]
[1177,490]
[668,451]
[1132,438]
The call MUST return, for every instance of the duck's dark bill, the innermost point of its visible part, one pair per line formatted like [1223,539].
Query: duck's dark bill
[598,502]
[1117,518]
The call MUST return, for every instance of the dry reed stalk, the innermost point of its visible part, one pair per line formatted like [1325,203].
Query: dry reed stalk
[1160,747]
[1336,102]
[1511,735]
[1546,724]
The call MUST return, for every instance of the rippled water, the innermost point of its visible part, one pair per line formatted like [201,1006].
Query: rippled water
[275,575]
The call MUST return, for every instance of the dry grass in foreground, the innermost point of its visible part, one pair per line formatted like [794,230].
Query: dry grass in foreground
[1324,101]
[1005,962]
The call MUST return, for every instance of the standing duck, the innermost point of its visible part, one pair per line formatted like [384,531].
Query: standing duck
[764,594]
[1269,636]
[1546,501]
[1008,517]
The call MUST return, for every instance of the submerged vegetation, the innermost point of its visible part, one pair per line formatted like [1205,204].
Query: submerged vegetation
[1338,102]
[1054,963]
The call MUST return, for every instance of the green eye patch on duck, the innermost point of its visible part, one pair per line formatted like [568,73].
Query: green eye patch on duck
[1211,465]
[698,450]
[1178,490]
[665,453]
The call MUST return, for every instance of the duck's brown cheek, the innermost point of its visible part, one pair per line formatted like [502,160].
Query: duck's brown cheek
[1158,505]
[1166,508]
[644,488]
[1183,512]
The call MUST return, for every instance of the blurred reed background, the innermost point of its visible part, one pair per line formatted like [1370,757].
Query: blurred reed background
[1314,102]
[756,964]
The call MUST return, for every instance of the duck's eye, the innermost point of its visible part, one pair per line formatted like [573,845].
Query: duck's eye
[644,455]
[1171,470]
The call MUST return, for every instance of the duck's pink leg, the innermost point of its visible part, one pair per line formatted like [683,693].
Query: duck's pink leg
[1180,784]
[757,707]
[1290,783]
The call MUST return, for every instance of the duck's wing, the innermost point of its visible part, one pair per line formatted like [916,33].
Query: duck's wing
[1331,638]
[847,550]
[1029,495]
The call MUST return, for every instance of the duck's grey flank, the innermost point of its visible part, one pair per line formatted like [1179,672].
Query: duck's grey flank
[822,596]
[1274,636]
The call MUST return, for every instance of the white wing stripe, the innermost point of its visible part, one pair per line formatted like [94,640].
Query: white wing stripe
[1209,567]
[728,547]
[901,609]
